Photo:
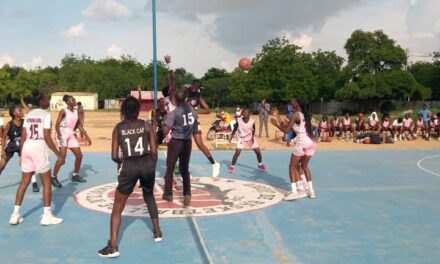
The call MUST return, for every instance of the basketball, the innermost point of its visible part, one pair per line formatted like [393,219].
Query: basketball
[244,64]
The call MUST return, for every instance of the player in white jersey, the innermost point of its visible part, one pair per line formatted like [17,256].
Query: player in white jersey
[35,144]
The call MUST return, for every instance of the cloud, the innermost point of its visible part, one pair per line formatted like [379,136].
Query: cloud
[76,31]
[6,59]
[242,26]
[34,63]
[114,51]
[106,10]
[303,41]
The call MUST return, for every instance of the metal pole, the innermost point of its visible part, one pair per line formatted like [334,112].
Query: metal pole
[154,53]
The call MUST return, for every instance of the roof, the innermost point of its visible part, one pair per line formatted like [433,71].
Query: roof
[74,94]
[146,95]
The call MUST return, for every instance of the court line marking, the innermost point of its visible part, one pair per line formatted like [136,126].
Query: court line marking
[426,170]
[198,231]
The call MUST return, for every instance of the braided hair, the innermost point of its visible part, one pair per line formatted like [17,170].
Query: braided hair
[130,108]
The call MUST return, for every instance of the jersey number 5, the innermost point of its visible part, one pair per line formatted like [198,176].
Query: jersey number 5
[188,119]
[139,147]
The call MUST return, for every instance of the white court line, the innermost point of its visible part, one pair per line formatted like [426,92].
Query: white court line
[198,231]
[423,169]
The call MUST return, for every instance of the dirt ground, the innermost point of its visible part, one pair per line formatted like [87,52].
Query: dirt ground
[99,126]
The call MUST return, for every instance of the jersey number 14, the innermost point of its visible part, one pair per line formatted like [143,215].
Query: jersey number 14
[139,147]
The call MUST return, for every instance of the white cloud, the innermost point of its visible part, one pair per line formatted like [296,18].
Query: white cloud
[6,59]
[34,63]
[106,10]
[304,41]
[114,51]
[76,31]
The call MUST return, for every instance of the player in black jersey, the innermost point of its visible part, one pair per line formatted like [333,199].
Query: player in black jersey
[198,102]
[160,116]
[137,141]
[12,137]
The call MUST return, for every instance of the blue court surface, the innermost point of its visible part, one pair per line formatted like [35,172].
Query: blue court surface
[371,207]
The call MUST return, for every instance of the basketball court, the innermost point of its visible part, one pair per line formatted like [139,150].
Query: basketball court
[378,206]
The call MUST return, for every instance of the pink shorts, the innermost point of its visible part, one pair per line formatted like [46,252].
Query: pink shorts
[246,144]
[35,157]
[68,140]
[304,147]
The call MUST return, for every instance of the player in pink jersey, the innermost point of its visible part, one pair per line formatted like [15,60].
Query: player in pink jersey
[324,128]
[303,151]
[66,125]
[34,145]
[245,127]
[407,128]
[347,127]
[419,128]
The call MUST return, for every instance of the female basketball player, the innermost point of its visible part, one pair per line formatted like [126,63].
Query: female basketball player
[246,138]
[303,151]
[137,142]
[66,125]
[35,143]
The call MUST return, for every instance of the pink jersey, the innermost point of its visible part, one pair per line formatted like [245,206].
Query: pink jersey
[407,122]
[245,130]
[69,121]
[373,122]
[420,124]
[35,122]
[323,124]
[335,122]
[347,122]
[386,124]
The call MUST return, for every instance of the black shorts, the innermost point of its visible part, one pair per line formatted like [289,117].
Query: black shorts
[197,129]
[134,169]
[11,149]
[160,137]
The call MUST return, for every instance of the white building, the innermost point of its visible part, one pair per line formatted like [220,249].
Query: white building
[88,100]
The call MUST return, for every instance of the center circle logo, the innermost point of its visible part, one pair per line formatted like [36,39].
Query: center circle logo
[209,198]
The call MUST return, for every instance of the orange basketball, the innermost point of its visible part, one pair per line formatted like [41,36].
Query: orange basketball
[244,64]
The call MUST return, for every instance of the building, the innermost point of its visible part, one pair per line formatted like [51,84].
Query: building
[147,101]
[88,100]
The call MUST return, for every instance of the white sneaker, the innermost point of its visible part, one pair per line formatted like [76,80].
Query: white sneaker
[311,193]
[16,219]
[50,219]
[215,170]
[294,196]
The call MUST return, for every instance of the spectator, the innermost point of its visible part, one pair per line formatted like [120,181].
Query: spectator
[425,114]
[373,122]
[324,130]
[335,126]
[263,112]
[407,127]
[315,127]
[397,126]
[359,124]
[347,128]
[419,128]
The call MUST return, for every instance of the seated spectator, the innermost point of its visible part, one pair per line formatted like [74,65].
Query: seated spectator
[315,127]
[347,127]
[407,127]
[369,138]
[335,129]
[433,127]
[397,127]
[419,128]
[324,130]
[373,122]
[225,119]
[386,126]
[359,126]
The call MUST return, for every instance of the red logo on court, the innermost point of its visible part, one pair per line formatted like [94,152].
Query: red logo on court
[209,198]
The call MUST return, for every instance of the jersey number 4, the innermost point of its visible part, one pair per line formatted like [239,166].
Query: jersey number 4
[188,119]
[139,147]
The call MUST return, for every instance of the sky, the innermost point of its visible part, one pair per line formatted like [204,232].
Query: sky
[200,34]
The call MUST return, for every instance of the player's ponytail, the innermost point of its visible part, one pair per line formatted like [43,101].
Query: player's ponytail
[304,108]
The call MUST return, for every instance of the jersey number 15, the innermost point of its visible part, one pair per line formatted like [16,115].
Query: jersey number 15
[188,119]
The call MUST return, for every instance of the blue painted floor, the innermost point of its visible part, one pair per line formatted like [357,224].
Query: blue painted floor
[371,207]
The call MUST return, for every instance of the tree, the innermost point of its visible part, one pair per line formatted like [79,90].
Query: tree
[376,70]
[428,74]
[327,69]
[216,83]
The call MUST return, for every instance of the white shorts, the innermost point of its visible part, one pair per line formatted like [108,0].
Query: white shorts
[304,147]
[246,144]
[35,157]
[68,140]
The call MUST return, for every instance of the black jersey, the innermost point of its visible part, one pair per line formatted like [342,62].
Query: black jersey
[14,133]
[133,138]
[160,116]
[194,98]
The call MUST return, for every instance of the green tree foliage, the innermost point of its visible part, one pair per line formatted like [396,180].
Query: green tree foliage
[216,87]
[327,69]
[376,70]
[428,74]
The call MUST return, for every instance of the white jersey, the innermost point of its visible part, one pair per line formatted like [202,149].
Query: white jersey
[300,129]
[35,122]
